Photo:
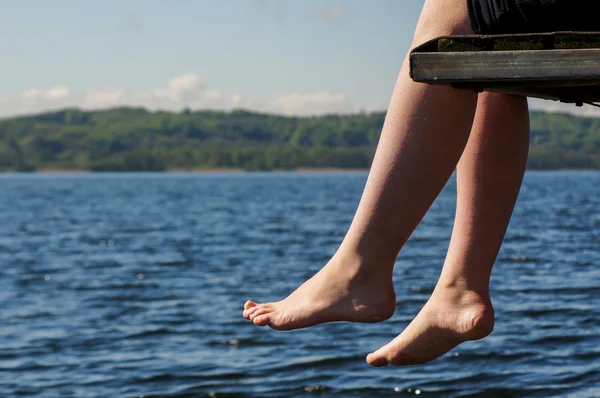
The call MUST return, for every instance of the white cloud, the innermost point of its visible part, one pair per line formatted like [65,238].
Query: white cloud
[189,91]
[35,100]
[35,95]
[108,96]
[237,100]
[183,86]
[179,88]
[213,95]
[56,93]
[32,95]
[335,12]
[311,103]
[181,92]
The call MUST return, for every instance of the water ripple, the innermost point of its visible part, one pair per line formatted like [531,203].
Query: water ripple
[132,285]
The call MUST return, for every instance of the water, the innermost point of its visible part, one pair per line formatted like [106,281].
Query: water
[132,285]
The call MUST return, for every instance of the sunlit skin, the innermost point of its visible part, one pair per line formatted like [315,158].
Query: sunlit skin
[429,132]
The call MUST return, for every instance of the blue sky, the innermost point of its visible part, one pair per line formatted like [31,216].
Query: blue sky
[284,56]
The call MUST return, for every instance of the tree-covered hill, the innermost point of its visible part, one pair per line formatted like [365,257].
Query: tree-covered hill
[137,139]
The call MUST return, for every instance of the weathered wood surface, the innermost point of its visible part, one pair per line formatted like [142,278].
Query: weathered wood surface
[561,66]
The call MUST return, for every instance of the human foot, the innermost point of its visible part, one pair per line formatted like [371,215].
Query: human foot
[339,292]
[449,318]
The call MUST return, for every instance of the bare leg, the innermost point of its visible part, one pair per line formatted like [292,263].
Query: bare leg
[424,135]
[489,177]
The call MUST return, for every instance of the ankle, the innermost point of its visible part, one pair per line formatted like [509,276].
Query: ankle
[462,295]
[363,269]
[464,286]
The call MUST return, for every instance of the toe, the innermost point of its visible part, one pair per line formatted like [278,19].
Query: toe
[262,320]
[377,359]
[248,313]
[260,311]
[249,304]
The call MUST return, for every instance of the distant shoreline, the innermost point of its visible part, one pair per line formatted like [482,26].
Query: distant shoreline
[224,170]
[60,171]
[317,170]
[191,171]
[134,139]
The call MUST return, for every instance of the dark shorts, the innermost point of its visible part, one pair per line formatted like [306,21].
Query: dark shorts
[533,16]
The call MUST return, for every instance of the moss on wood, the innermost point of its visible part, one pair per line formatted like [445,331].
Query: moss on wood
[568,42]
[448,44]
[519,42]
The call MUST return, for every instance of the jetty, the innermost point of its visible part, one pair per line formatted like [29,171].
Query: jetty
[558,66]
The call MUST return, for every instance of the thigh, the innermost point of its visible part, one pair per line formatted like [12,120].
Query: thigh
[533,16]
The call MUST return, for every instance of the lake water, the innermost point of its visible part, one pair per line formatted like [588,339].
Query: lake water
[129,285]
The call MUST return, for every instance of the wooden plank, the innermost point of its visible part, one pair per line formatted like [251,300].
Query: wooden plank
[487,66]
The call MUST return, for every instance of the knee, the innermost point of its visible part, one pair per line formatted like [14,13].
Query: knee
[442,18]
